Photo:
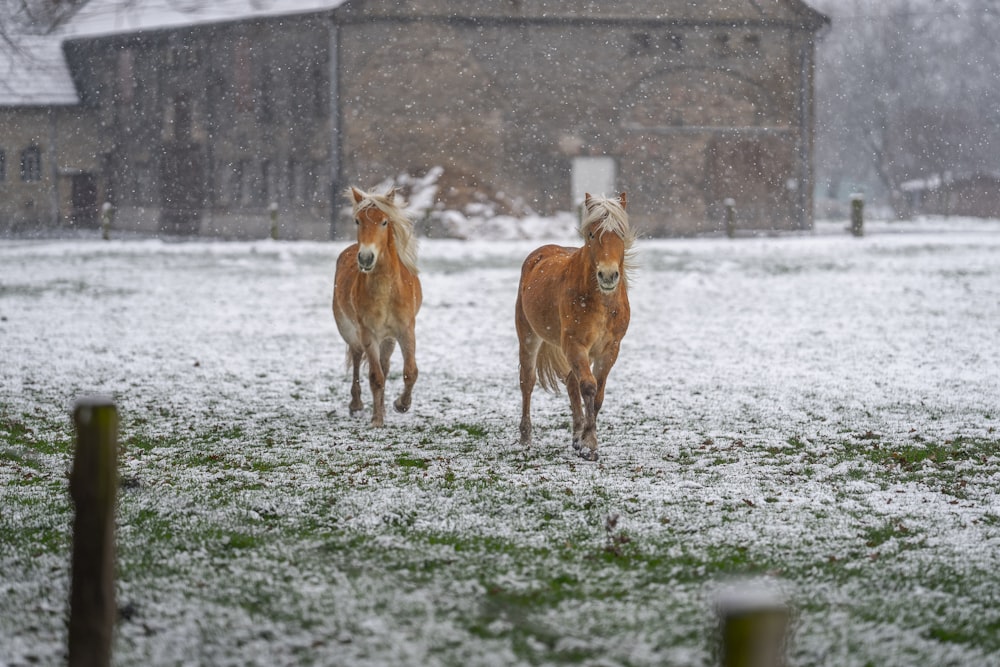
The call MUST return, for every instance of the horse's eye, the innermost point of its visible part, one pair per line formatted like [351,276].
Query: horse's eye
[357,221]
[591,234]
[385,222]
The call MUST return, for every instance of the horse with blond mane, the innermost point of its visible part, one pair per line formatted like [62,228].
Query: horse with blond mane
[571,314]
[376,296]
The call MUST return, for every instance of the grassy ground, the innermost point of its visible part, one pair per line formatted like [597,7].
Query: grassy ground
[815,414]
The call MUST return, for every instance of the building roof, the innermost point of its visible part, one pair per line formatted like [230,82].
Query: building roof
[33,72]
[111,17]
[33,67]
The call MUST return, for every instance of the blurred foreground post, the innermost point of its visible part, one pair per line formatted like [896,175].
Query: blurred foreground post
[730,205]
[858,215]
[107,212]
[93,486]
[273,209]
[754,627]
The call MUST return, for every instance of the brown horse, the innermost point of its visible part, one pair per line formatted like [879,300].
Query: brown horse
[572,312]
[376,296]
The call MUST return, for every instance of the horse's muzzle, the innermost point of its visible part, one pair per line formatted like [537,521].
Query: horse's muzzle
[607,281]
[366,260]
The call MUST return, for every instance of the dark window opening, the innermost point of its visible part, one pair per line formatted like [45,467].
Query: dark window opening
[641,44]
[721,42]
[31,164]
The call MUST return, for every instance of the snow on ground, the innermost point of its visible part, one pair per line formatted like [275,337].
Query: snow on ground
[814,409]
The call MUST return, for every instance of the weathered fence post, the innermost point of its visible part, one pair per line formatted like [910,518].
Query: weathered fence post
[273,209]
[107,212]
[754,625]
[93,485]
[858,215]
[730,205]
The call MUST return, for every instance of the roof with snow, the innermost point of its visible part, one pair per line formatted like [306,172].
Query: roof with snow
[33,68]
[33,72]
[110,17]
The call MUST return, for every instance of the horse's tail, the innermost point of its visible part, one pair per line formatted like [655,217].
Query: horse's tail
[552,367]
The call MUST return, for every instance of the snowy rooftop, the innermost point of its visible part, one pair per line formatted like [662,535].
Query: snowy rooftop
[34,72]
[107,17]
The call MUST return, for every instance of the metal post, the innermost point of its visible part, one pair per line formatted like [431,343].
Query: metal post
[754,626]
[273,209]
[858,215]
[730,205]
[107,213]
[93,486]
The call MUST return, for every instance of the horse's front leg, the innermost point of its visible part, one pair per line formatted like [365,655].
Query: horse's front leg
[376,380]
[356,406]
[602,367]
[580,367]
[575,408]
[408,346]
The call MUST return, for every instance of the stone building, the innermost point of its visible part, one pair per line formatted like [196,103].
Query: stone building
[198,117]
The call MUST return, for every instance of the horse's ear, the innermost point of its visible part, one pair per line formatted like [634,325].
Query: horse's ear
[358,196]
[621,200]
[391,195]
[587,200]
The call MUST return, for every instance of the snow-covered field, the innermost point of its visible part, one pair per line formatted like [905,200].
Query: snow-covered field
[817,413]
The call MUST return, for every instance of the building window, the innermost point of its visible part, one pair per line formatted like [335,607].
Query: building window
[641,44]
[265,189]
[319,92]
[265,95]
[31,164]
[721,44]
[676,41]
[751,45]
[3,165]
[243,76]
[126,76]
[295,184]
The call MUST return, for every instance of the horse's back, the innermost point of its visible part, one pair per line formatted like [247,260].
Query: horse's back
[546,254]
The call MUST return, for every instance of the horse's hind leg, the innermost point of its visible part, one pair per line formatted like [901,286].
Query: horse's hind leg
[528,353]
[356,354]
[407,345]
[575,408]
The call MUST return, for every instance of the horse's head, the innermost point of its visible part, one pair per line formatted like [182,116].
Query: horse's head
[607,237]
[373,226]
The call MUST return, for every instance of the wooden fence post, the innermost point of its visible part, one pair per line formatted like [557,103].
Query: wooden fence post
[754,626]
[730,205]
[93,485]
[107,213]
[273,210]
[858,215]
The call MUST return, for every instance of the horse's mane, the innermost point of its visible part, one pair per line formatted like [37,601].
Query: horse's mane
[402,226]
[609,216]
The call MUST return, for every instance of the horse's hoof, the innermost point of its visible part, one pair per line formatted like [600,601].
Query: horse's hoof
[401,407]
[357,412]
[588,454]
[577,444]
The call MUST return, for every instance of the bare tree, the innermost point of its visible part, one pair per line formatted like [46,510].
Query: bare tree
[906,89]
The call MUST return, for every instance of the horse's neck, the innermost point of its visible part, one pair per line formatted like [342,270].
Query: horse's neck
[583,271]
[387,268]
